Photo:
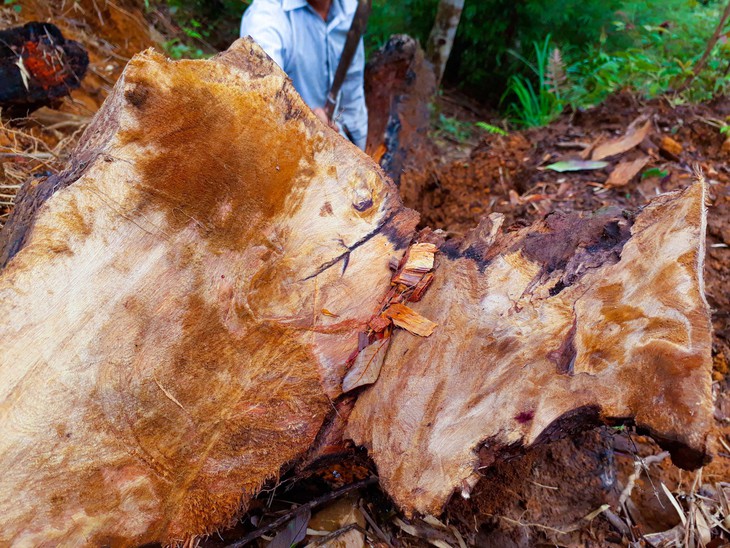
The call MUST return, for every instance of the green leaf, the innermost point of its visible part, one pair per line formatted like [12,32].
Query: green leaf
[490,128]
[653,172]
[576,165]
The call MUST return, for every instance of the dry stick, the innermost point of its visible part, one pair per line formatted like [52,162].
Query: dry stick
[710,46]
[374,525]
[334,534]
[309,505]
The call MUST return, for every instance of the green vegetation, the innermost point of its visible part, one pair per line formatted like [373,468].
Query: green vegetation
[540,104]
[533,57]
[646,53]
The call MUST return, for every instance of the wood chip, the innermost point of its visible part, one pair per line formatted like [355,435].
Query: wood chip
[670,146]
[366,368]
[625,171]
[379,323]
[421,288]
[410,320]
[622,144]
[419,260]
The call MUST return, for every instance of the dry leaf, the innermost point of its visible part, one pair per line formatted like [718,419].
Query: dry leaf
[674,502]
[625,171]
[294,531]
[702,528]
[367,365]
[410,320]
[622,144]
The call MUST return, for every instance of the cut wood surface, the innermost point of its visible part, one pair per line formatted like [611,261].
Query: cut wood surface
[164,349]
[540,332]
[179,310]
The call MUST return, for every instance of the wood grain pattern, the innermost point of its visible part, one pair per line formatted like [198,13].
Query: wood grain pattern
[163,347]
[569,321]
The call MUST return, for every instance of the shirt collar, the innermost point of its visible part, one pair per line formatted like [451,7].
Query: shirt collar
[338,5]
[289,5]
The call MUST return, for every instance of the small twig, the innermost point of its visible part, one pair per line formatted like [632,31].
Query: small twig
[535,525]
[309,505]
[617,523]
[36,156]
[334,534]
[374,525]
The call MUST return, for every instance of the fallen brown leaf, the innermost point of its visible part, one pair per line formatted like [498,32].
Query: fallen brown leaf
[625,171]
[622,144]
[671,146]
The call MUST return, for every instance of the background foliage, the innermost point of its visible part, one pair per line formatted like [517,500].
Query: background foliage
[507,52]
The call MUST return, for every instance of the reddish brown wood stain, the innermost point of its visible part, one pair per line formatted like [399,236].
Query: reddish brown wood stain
[222,160]
[187,359]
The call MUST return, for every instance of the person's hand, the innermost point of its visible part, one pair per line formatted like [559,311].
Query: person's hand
[322,115]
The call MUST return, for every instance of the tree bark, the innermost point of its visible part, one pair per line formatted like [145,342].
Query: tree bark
[443,32]
[180,308]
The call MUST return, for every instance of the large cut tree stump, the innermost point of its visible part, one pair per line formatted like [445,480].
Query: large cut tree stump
[180,314]
[180,308]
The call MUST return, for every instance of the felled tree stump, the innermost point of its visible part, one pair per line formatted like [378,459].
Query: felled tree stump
[180,308]
[399,87]
[38,66]
[554,327]
[183,307]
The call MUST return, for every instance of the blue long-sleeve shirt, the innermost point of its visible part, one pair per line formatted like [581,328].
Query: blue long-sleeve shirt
[308,49]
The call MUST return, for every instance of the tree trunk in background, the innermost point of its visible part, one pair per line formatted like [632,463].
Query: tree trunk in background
[441,39]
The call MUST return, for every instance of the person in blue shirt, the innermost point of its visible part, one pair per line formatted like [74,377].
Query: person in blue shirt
[306,38]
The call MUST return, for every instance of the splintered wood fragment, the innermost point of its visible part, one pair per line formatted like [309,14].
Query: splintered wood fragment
[410,320]
[543,330]
[421,287]
[625,171]
[367,365]
[623,144]
[379,323]
[420,257]
[167,340]
[419,260]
